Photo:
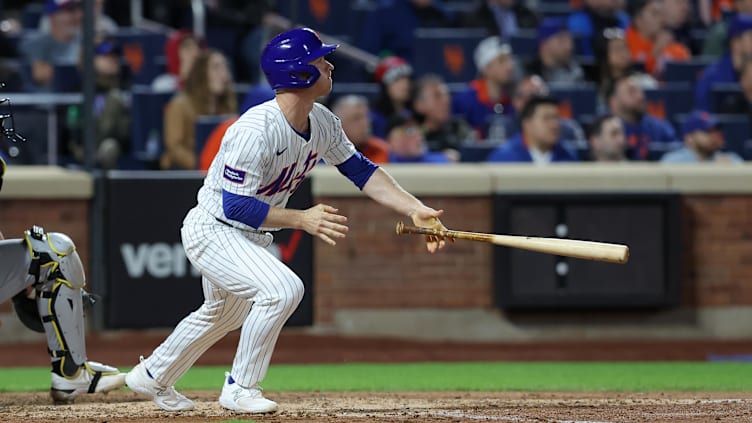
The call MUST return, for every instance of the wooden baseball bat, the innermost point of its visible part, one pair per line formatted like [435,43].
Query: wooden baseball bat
[588,250]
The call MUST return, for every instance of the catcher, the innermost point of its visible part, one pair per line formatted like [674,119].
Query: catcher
[43,275]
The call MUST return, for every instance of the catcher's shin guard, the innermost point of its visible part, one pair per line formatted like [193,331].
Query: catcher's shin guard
[61,308]
[60,279]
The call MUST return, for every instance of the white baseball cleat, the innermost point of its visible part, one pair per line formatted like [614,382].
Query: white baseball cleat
[166,397]
[246,400]
[91,378]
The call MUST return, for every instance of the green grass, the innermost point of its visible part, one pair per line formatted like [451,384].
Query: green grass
[555,376]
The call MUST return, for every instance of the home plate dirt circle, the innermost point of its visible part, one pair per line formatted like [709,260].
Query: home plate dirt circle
[556,407]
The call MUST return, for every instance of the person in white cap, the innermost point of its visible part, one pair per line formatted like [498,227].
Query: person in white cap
[487,98]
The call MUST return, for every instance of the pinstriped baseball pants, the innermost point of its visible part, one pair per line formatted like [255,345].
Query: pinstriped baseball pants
[244,285]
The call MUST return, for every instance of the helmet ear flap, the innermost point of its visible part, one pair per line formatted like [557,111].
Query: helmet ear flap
[307,75]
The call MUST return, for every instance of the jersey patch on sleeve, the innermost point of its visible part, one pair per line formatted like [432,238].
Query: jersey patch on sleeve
[234,175]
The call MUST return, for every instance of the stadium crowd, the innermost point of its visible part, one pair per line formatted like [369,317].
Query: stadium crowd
[555,80]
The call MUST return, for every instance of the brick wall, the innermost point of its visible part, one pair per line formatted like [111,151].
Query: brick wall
[375,268]
[717,233]
[68,216]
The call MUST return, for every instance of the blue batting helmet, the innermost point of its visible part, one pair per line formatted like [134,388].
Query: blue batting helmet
[285,58]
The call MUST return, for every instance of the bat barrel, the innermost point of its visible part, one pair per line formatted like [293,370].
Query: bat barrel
[588,250]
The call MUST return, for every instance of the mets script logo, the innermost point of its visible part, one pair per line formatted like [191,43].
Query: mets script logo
[234,175]
[289,179]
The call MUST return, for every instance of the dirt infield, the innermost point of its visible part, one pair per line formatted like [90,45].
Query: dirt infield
[125,406]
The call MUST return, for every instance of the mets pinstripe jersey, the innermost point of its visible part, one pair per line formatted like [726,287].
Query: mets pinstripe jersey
[262,156]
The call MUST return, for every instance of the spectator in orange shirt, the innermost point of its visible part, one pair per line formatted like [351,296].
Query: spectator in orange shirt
[649,41]
[355,116]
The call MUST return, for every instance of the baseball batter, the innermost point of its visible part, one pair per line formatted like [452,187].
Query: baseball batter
[263,158]
[44,276]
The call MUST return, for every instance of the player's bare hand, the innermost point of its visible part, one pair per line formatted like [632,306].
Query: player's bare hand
[426,217]
[325,222]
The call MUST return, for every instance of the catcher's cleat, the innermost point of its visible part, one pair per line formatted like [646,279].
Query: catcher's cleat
[166,397]
[91,378]
[245,400]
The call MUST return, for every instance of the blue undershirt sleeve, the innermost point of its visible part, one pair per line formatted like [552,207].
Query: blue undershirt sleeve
[358,169]
[244,209]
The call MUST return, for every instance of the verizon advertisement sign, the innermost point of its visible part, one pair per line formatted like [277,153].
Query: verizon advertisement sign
[151,284]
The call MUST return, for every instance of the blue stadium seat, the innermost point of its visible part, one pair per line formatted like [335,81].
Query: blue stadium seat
[143,52]
[225,40]
[671,98]
[685,71]
[576,100]
[447,52]
[747,150]
[31,15]
[147,116]
[332,17]
[736,131]
[475,153]
[524,44]
[725,94]
[66,78]
[554,9]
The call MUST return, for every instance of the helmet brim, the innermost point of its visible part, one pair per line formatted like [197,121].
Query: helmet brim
[322,51]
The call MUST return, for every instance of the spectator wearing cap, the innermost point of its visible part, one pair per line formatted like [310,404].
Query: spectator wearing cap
[181,50]
[354,114]
[486,100]
[555,62]
[703,142]
[626,100]
[105,25]
[407,145]
[726,69]
[433,109]
[60,46]
[501,17]
[649,41]
[715,42]
[595,16]
[111,109]
[393,74]
[538,141]
[606,140]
